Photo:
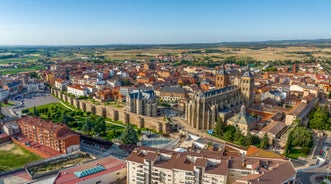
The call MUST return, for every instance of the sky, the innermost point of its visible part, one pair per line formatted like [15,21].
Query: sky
[98,22]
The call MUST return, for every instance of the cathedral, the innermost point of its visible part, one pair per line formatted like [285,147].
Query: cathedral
[142,102]
[204,108]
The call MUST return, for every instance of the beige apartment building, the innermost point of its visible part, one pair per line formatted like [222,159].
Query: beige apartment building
[147,165]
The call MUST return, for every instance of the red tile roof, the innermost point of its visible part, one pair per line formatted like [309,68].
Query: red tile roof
[111,164]
[253,151]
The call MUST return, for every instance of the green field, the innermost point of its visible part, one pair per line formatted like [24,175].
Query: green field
[19,70]
[18,60]
[13,156]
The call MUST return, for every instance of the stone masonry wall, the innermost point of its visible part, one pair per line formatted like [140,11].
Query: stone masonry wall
[155,123]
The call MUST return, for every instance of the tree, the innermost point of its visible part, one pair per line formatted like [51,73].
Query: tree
[305,150]
[301,136]
[129,135]
[65,118]
[288,143]
[87,126]
[256,140]
[319,119]
[264,142]
[219,126]
[248,141]
[229,135]
[237,135]
[229,132]
[35,111]
[100,126]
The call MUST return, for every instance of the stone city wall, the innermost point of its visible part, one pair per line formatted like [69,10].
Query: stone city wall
[116,114]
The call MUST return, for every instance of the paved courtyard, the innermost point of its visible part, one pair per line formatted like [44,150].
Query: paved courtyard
[36,101]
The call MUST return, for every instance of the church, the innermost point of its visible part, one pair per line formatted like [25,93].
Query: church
[203,109]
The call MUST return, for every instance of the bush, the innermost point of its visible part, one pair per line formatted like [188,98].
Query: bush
[229,135]
[305,150]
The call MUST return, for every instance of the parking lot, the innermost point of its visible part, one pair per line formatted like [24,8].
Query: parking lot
[31,101]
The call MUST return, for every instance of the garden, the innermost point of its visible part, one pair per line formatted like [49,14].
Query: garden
[78,121]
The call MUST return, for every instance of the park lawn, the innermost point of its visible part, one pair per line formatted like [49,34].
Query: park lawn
[15,158]
[295,153]
[50,105]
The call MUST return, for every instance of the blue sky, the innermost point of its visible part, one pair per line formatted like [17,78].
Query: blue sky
[82,22]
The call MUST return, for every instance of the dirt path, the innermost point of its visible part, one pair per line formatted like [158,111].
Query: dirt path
[9,146]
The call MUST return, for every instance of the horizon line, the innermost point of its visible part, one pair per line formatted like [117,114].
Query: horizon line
[157,44]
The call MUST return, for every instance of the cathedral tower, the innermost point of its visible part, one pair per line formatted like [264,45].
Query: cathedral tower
[247,86]
[222,78]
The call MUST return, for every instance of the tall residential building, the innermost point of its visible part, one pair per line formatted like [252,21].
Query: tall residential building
[56,136]
[222,78]
[147,165]
[142,102]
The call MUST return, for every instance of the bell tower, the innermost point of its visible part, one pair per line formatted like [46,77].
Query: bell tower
[247,86]
[222,78]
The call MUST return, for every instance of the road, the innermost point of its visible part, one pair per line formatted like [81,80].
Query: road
[309,175]
[8,110]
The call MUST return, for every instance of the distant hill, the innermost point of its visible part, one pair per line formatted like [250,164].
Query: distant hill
[255,45]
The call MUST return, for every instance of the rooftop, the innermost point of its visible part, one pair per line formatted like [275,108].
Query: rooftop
[217,91]
[89,170]
[253,151]
[173,89]
[216,163]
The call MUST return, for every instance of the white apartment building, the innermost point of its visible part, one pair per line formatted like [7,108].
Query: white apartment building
[146,165]
[77,90]
[35,87]
[152,166]
[61,84]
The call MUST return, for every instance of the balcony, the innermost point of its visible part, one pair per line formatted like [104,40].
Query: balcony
[140,175]
[189,178]
[140,179]
[155,173]
[189,174]
[155,178]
